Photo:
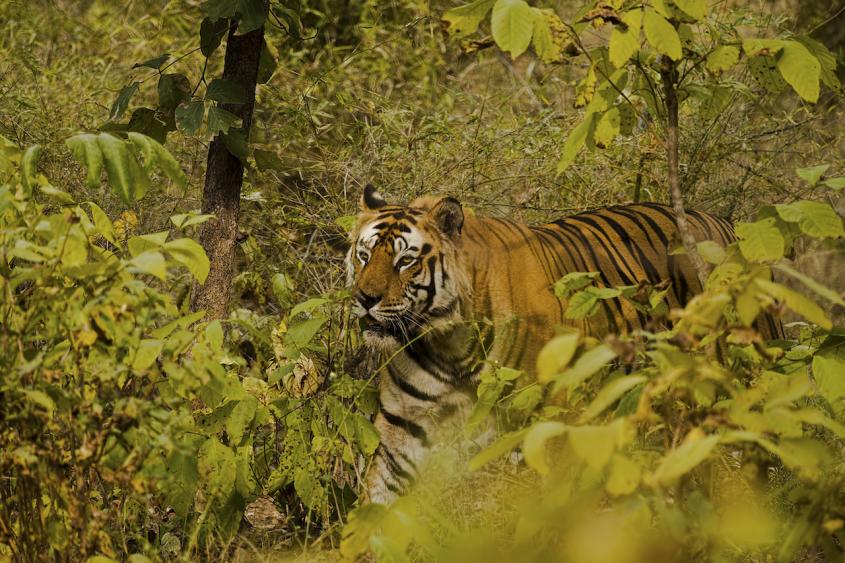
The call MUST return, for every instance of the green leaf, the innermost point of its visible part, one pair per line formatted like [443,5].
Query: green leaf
[143,243]
[826,59]
[711,251]
[189,116]
[173,89]
[624,476]
[814,218]
[534,444]
[87,151]
[211,34]
[307,306]
[661,35]
[608,127]
[185,220]
[609,394]
[829,374]
[683,459]
[191,255]
[464,20]
[812,174]
[252,15]
[754,47]
[266,63]
[147,354]
[118,108]
[799,303]
[760,241]
[217,468]
[220,120]
[221,9]
[102,222]
[29,167]
[149,262]
[801,69]
[240,419]
[556,355]
[155,155]
[593,444]
[236,143]
[225,91]
[812,284]
[512,24]
[722,58]
[547,47]
[835,183]
[126,176]
[624,42]
[153,63]
[310,491]
[575,142]
[581,305]
[696,9]
[302,333]
[497,449]
[586,365]
[573,281]
[366,435]
[804,455]
[155,124]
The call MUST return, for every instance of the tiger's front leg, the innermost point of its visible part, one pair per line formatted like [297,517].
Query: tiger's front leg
[414,404]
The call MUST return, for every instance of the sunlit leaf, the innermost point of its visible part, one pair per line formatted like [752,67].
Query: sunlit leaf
[464,20]
[662,35]
[683,459]
[512,24]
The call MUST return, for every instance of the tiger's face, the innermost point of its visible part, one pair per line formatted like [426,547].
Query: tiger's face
[403,268]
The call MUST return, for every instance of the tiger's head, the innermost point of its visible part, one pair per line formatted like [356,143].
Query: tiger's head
[404,268]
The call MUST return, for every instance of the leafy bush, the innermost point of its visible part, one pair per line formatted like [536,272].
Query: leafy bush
[708,444]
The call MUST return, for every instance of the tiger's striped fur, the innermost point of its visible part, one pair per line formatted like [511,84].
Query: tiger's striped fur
[422,273]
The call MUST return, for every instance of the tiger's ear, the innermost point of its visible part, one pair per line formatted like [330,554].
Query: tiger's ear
[449,216]
[371,199]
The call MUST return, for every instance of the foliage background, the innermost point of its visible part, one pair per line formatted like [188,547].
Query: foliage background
[375,94]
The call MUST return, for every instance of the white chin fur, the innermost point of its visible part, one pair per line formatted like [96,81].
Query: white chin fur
[381,342]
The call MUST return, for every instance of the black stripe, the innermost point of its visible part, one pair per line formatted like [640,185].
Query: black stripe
[412,428]
[406,387]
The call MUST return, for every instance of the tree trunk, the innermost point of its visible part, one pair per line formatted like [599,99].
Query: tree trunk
[224,177]
[669,75]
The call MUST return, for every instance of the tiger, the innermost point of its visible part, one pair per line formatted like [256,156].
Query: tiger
[422,274]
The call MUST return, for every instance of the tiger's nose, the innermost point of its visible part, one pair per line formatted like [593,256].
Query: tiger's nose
[366,301]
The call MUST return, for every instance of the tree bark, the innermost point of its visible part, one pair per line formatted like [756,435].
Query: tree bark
[224,178]
[669,76]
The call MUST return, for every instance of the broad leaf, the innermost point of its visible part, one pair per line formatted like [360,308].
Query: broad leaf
[696,9]
[814,218]
[120,104]
[211,34]
[126,176]
[593,444]
[799,303]
[153,63]
[624,42]
[624,476]
[497,449]
[512,24]
[191,255]
[556,355]
[722,58]
[801,69]
[586,365]
[609,394]
[534,445]
[760,241]
[662,35]
[87,151]
[155,155]
[464,20]
[220,120]
[226,91]
[683,459]
[812,174]
[189,116]
[575,142]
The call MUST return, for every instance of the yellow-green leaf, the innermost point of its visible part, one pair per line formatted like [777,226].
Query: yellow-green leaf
[761,240]
[799,303]
[683,459]
[696,9]
[662,35]
[587,364]
[191,255]
[593,444]
[607,127]
[801,69]
[556,355]
[624,476]
[534,445]
[512,24]
[464,20]
[625,42]
[609,394]
[722,58]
